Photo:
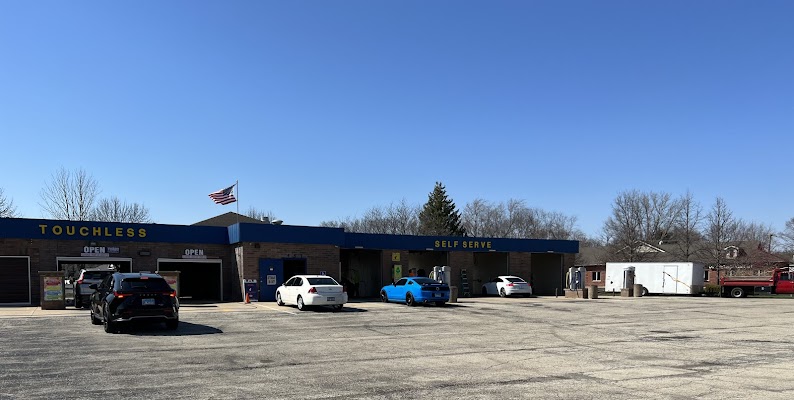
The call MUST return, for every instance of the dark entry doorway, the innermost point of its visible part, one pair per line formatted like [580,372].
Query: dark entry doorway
[198,280]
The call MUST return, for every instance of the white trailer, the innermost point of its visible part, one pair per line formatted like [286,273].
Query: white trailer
[657,277]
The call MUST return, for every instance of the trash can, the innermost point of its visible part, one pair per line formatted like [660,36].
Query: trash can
[637,290]
[453,294]
[592,292]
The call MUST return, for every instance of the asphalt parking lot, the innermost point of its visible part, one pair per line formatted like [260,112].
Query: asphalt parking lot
[485,348]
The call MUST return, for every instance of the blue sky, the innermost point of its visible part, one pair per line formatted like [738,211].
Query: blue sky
[323,109]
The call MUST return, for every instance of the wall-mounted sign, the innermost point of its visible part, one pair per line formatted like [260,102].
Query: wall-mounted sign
[395,257]
[194,253]
[271,279]
[113,250]
[94,251]
[322,273]
[462,244]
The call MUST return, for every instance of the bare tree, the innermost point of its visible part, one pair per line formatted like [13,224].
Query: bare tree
[721,231]
[260,215]
[686,232]
[513,219]
[787,236]
[115,210]
[7,208]
[754,232]
[70,195]
[395,219]
[638,216]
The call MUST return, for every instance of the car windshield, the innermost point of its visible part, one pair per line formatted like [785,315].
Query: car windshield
[516,280]
[322,281]
[145,285]
[98,275]
[424,281]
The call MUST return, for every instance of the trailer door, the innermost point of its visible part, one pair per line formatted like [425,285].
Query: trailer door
[670,279]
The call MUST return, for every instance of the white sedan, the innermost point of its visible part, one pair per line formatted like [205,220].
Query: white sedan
[311,290]
[507,285]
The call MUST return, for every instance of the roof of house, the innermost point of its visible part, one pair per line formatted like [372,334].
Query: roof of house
[228,219]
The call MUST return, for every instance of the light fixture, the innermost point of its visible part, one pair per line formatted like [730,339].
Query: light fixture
[429,249]
[359,247]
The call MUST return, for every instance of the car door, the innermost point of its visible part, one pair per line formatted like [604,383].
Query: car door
[296,289]
[785,283]
[103,295]
[498,284]
[397,292]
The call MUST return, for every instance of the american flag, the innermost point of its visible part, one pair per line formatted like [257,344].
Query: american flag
[224,196]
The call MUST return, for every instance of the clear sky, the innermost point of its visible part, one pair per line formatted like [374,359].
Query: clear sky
[323,109]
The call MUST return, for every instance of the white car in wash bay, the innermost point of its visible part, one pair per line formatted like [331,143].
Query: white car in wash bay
[311,290]
[507,285]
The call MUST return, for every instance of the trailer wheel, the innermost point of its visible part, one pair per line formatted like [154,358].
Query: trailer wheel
[737,292]
[644,291]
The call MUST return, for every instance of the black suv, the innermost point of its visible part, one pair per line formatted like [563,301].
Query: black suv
[140,296]
[89,276]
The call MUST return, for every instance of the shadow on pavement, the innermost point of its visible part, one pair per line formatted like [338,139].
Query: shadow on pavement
[185,329]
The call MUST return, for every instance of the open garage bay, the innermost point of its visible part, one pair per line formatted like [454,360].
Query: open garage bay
[613,348]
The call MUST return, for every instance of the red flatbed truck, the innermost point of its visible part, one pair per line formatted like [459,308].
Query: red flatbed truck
[781,282]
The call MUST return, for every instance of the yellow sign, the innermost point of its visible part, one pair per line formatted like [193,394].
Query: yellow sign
[395,257]
[462,244]
[96,231]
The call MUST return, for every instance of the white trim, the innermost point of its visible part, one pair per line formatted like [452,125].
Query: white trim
[30,283]
[198,261]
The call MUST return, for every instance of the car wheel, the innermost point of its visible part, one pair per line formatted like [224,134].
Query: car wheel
[278,299]
[484,291]
[337,307]
[110,326]
[172,324]
[644,291]
[409,300]
[77,302]
[94,319]
[737,292]
[301,306]
[384,297]
[502,292]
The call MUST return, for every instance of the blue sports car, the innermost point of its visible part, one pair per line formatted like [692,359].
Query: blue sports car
[415,290]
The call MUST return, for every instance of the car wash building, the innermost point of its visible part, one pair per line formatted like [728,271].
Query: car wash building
[220,259]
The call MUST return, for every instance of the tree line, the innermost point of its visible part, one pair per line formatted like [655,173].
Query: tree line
[681,222]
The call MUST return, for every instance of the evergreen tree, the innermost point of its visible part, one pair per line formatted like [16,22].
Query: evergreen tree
[439,216]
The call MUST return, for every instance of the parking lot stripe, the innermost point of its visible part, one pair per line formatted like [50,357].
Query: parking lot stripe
[273,309]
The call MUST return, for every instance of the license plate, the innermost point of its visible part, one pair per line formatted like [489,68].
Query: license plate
[147,302]
[438,295]
[332,299]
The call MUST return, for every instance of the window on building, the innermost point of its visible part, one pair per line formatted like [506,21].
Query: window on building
[705,275]
[596,275]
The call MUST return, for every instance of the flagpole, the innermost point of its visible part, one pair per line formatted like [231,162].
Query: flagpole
[237,190]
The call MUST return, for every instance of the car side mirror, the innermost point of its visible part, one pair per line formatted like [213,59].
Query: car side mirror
[394,283]
[92,286]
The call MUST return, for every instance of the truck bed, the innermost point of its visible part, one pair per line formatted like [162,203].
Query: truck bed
[747,281]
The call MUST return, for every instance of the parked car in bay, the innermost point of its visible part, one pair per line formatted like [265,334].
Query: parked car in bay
[416,290]
[125,297]
[86,278]
[507,285]
[311,290]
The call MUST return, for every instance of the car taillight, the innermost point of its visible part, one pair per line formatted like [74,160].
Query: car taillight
[510,284]
[79,281]
[120,295]
[312,290]
[344,289]
[171,294]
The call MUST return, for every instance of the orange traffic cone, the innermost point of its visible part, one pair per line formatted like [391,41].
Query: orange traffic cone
[247,299]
